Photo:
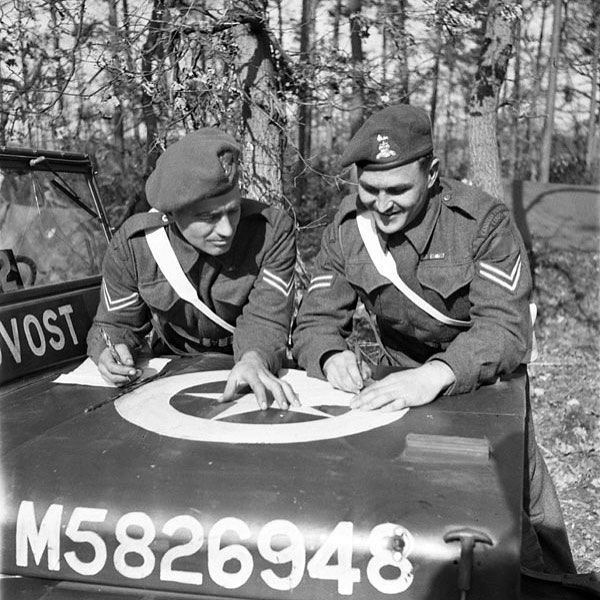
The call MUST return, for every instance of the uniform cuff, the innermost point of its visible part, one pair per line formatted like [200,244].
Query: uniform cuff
[310,359]
[273,359]
[466,380]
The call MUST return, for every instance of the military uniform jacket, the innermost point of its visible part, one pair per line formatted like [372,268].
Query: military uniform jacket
[463,255]
[250,287]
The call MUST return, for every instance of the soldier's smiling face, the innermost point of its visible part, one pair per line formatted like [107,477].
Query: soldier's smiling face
[210,225]
[396,196]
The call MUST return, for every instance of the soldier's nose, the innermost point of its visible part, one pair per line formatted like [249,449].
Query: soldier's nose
[224,227]
[383,203]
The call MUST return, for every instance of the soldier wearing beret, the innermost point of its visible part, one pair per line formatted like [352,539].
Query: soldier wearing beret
[443,271]
[237,254]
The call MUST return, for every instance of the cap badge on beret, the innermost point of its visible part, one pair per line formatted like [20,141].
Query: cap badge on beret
[395,136]
[227,160]
[385,150]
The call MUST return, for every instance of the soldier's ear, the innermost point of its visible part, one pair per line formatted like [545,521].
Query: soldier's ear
[434,171]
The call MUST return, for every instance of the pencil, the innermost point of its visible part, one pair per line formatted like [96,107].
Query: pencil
[367,379]
[110,346]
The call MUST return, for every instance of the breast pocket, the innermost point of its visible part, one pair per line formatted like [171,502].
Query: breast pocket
[445,278]
[233,292]
[364,276]
[158,295]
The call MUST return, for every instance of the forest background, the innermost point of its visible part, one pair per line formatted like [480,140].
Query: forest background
[511,87]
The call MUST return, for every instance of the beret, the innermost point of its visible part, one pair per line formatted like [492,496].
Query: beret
[395,136]
[201,165]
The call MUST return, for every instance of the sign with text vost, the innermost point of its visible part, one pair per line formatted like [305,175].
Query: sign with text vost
[44,332]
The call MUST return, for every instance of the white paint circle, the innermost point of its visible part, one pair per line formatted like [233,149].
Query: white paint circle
[150,407]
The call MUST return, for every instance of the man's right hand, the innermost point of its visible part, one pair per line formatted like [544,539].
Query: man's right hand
[118,373]
[343,372]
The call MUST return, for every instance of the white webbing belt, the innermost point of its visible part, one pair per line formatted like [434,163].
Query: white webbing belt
[384,263]
[167,262]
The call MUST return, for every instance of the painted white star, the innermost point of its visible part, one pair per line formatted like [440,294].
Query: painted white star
[248,404]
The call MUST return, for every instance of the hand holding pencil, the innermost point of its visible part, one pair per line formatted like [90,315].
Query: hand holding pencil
[347,370]
[116,363]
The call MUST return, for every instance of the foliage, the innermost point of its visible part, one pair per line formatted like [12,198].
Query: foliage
[565,386]
[127,78]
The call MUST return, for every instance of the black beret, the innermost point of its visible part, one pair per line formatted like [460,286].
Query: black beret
[202,165]
[395,136]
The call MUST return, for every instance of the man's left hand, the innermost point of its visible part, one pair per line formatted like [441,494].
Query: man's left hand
[413,387]
[252,371]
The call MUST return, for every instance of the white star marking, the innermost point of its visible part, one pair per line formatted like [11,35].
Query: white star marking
[150,408]
[247,404]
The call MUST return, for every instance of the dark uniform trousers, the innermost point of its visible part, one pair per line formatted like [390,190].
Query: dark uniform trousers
[250,287]
[465,257]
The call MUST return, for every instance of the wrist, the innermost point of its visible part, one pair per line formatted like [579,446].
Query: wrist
[324,361]
[440,375]
[253,356]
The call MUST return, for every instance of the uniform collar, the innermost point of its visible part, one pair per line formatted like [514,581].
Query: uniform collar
[186,254]
[419,232]
[458,195]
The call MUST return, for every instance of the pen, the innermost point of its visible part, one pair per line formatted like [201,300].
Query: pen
[358,356]
[367,380]
[111,347]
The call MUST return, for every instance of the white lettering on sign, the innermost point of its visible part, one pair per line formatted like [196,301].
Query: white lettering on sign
[39,348]
[320,567]
[394,556]
[294,553]
[66,310]
[13,342]
[230,563]
[172,526]
[38,334]
[58,342]
[135,544]
[78,535]
[46,538]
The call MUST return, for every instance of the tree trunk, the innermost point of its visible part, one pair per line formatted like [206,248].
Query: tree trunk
[514,161]
[357,102]
[483,103]
[328,109]
[449,128]
[435,75]
[118,127]
[131,67]
[591,160]
[551,96]
[532,145]
[404,73]
[263,120]
[304,95]
[152,50]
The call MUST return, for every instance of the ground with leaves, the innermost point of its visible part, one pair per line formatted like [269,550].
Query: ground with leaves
[565,386]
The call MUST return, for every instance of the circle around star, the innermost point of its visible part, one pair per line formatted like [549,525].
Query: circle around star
[186,407]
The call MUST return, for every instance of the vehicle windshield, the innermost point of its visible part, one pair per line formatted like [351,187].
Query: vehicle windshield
[46,236]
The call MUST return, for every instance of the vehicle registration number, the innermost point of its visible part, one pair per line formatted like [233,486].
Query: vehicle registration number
[141,551]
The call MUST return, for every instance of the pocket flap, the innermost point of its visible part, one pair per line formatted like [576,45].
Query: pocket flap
[445,279]
[365,276]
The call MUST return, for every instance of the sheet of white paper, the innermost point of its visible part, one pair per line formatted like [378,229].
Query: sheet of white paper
[87,372]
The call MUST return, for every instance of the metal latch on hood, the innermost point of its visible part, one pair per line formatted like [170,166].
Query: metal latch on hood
[468,538]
